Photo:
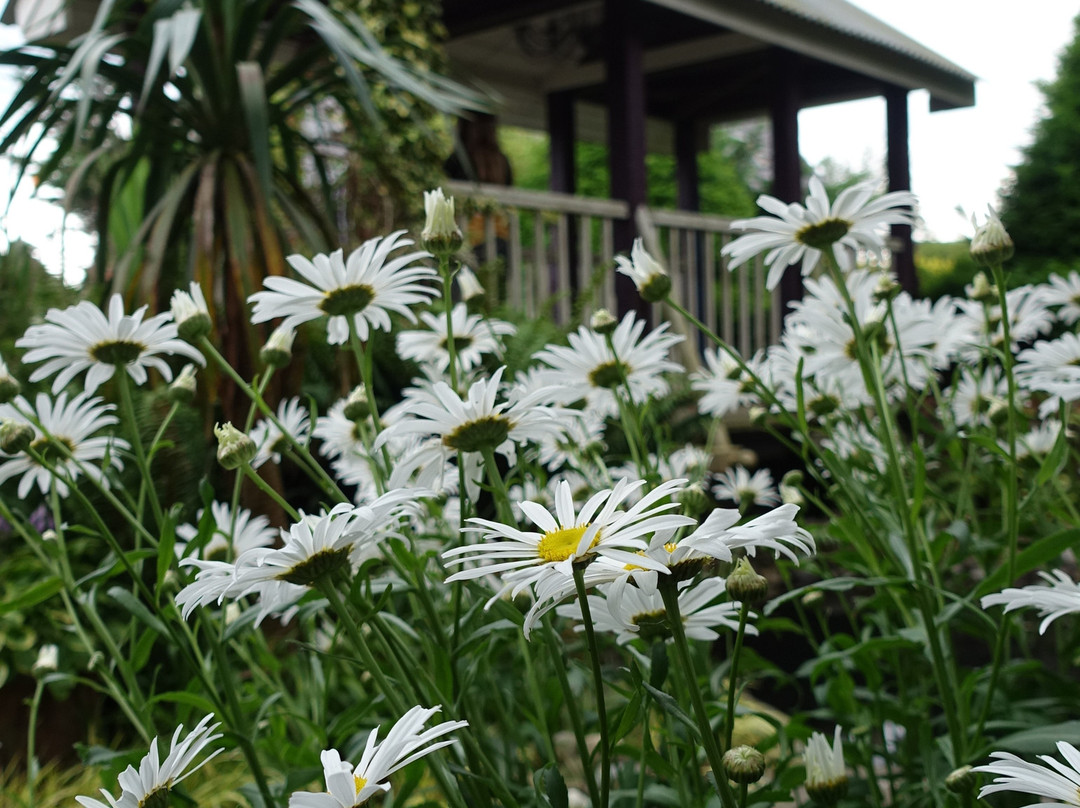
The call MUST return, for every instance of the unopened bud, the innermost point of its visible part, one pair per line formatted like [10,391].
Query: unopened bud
[961,780]
[182,390]
[991,245]
[886,289]
[48,659]
[234,447]
[357,406]
[191,314]
[468,284]
[603,322]
[441,234]
[9,385]
[15,436]
[745,585]
[277,352]
[982,291]
[744,764]
[695,500]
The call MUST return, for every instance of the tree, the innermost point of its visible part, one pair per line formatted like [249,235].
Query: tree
[1041,206]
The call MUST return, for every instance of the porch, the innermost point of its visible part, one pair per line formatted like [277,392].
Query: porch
[559,249]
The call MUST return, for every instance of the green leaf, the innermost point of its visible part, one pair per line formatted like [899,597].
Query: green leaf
[185,25]
[671,707]
[167,544]
[183,697]
[136,608]
[1040,739]
[1054,461]
[829,585]
[253,105]
[1037,554]
[554,793]
[38,593]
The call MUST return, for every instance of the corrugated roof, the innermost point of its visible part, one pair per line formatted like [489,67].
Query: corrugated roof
[842,16]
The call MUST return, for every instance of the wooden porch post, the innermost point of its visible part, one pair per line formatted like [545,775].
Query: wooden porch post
[626,130]
[686,166]
[563,176]
[899,167]
[787,165]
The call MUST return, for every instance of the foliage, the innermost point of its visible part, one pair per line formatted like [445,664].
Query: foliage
[721,187]
[27,291]
[944,268]
[1041,206]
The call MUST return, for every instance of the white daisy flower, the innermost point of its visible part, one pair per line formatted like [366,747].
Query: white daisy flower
[232,535]
[1064,292]
[570,535]
[1059,596]
[1029,317]
[795,233]
[1052,367]
[588,369]
[349,786]
[150,785]
[1040,439]
[776,530]
[366,286]
[738,485]
[190,313]
[296,419]
[448,423]
[978,396]
[72,423]
[474,336]
[629,612]
[1060,782]
[723,385]
[82,338]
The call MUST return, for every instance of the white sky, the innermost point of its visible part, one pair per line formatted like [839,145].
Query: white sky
[958,158]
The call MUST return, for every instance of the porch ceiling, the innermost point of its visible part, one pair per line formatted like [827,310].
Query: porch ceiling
[703,59]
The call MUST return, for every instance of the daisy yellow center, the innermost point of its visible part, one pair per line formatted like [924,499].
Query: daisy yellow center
[485,432]
[359,782]
[48,449]
[117,352]
[347,299]
[825,233]
[608,374]
[559,545]
[158,798]
[322,563]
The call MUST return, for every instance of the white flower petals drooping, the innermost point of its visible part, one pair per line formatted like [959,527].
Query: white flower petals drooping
[348,786]
[1060,782]
[1059,596]
[153,779]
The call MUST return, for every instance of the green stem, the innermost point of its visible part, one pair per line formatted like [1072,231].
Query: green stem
[127,402]
[448,305]
[733,674]
[598,684]
[498,485]
[32,766]
[558,662]
[685,661]
[268,489]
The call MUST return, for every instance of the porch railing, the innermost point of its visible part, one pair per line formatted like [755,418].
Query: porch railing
[558,253]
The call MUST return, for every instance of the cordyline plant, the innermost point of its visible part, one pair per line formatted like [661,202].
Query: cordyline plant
[588,627]
[203,126]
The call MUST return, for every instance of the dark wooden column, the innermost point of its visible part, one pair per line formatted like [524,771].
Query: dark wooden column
[787,164]
[626,128]
[560,120]
[898,161]
[687,181]
[563,177]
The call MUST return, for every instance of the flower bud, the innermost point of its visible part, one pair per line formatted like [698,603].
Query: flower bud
[603,322]
[744,764]
[981,290]
[234,447]
[15,436]
[886,288]
[961,780]
[277,352]
[182,390]
[48,660]
[191,314]
[357,406]
[9,385]
[651,279]
[745,585]
[468,284]
[826,778]
[695,499]
[441,234]
[991,245]
[790,488]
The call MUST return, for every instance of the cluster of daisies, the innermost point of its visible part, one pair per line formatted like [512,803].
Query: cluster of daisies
[633,536]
